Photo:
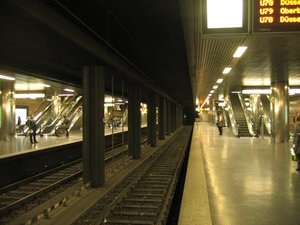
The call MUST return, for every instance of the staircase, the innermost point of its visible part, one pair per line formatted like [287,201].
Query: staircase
[239,115]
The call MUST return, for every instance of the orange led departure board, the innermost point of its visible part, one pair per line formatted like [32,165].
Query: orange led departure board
[276,16]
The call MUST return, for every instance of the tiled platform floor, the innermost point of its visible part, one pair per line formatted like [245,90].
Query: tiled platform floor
[21,144]
[250,181]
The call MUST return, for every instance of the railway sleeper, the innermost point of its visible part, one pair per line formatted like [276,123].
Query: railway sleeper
[144,200]
[148,194]
[137,213]
[152,181]
[126,221]
[153,185]
[150,190]
[132,217]
[160,174]
[139,206]
[148,197]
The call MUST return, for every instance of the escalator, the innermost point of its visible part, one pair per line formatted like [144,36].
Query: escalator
[243,130]
[40,113]
[68,108]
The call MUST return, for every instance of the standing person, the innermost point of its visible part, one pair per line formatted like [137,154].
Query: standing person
[19,121]
[66,124]
[32,129]
[297,141]
[220,123]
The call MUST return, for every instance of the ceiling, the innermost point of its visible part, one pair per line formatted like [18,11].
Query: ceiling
[162,38]
[272,57]
[188,64]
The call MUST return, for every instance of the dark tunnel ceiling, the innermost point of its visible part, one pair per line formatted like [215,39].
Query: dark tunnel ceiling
[150,29]
[186,64]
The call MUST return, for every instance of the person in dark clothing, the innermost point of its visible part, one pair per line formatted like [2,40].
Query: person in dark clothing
[19,121]
[297,141]
[32,129]
[220,123]
[66,124]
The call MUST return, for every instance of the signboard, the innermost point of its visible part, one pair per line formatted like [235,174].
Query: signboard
[221,17]
[276,16]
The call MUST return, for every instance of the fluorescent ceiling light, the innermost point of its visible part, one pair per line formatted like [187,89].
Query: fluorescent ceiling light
[30,95]
[43,85]
[69,90]
[239,52]
[30,86]
[65,95]
[6,77]
[227,70]
[294,91]
[109,99]
[215,87]
[109,104]
[256,91]
[212,91]
[219,81]
[224,14]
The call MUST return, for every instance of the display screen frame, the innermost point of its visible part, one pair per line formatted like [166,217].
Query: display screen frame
[275,27]
[232,30]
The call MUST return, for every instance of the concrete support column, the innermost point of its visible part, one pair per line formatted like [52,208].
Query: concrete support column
[93,126]
[173,118]
[151,120]
[7,111]
[280,112]
[169,130]
[134,121]
[161,119]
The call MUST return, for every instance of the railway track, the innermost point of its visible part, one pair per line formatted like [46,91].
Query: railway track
[31,199]
[23,196]
[145,195]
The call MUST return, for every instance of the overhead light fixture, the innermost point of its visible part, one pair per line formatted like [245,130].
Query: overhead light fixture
[65,95]
[219,81]
[215,87]
[69,90]
[240,51]
[256,91]
[30,95]
[30,86]
[227,70]
[294,91]
[109,104]
[6,77]
[109,99]
[212,91]
[43,85]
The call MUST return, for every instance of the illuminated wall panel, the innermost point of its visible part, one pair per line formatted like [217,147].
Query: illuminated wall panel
[276,16]
[219,16]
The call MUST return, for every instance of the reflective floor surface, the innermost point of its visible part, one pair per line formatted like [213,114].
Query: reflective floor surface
[21,144]
[250,181]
